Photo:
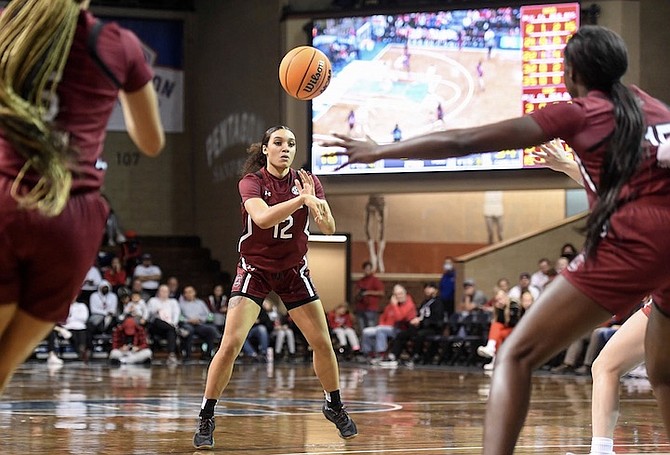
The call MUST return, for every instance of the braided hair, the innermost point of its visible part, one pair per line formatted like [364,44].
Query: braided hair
[35,41]
[599,57]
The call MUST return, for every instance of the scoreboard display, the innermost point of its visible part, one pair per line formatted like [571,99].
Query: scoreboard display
[397,76]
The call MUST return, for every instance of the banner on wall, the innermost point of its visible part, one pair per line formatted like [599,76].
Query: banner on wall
[164,50]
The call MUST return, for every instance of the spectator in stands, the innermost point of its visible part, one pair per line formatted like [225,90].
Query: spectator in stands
[164,315]
[395,317]
[281,332]
[369,291]
[569,251]
[197,321]
[589,347]
[53,359]
[113,232]
[76,323]
[129,344]
[116,275]
[501,284]
[149,274]
[541,276]
[448,285]
[258,339]
[104,309]
[429,322]
[174,287]
[131,252]
[91,283]
[342,325]
[561,264]
[135,307]
[506,314]
[522,286]
[218,305]
[73,329]
[136,286]
[551,274]
[473,298]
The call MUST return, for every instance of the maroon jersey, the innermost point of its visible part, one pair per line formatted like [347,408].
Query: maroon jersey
[631,260]
[284,245]
[586,123]
[86,98]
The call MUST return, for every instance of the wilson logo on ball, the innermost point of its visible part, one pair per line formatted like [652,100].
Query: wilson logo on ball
[305,72]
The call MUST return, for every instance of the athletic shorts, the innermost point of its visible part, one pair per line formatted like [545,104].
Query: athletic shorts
[294,286]
[43,261]
[632,261]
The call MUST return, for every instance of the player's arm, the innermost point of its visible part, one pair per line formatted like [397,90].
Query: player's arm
[140,112]
[265,216]
[515,133]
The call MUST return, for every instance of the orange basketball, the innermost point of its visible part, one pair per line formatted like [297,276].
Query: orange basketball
[305,72]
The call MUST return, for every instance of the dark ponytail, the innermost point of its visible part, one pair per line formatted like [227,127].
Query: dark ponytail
[257,159]
[599,57]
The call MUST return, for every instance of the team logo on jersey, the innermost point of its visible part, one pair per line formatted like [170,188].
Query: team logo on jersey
[295,190]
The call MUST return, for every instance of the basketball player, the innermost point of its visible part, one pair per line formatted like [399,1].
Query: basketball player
[480,76]
[276,203]
[351,121]
[623,352]
[62,75]
[615,132]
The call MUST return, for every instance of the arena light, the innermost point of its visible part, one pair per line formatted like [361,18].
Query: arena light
[336,238]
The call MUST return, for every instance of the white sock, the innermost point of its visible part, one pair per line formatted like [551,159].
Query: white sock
[602,446]
[491,344]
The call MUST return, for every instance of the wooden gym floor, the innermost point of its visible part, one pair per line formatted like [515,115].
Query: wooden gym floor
[98,409]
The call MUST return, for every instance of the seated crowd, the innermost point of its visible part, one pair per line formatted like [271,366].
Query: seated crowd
[125,312]
[439,330]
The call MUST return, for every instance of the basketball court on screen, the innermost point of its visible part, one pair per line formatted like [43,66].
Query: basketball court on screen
[386,91]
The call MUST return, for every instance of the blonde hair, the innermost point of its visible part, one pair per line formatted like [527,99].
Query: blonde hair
[35,41]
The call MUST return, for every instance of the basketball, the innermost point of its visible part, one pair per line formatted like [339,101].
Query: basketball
[305,72]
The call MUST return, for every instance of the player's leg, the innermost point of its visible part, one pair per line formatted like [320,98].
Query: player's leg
[20,333]
[242,313]
[311,319]
[622,352]
[657,357]
[561,315]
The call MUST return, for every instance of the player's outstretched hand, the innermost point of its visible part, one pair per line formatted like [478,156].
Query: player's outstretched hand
[554,155]
[357,150]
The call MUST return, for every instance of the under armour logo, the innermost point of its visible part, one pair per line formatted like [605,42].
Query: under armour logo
[267,193]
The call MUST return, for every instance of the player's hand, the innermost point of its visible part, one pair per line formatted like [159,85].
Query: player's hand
[357,151]
[317,207]
[306,182]
[553,153]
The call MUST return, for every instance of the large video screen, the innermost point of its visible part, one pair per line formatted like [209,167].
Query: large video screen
[400,75]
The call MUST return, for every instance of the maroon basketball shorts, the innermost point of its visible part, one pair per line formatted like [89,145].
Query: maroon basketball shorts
[43,261]
[294,286]
[632,261]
